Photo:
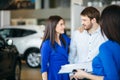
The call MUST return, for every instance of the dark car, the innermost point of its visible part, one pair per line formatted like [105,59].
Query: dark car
[10,63]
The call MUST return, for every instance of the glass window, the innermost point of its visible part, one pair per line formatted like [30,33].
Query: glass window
[12,33]
[5,33]
[28,32]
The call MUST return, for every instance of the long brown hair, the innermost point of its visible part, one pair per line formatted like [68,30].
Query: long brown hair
[50,32]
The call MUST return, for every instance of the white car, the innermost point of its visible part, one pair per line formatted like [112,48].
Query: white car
[28,40]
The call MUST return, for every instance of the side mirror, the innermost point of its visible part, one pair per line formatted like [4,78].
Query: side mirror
[9,42]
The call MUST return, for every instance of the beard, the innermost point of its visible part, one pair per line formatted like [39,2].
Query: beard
[87,27]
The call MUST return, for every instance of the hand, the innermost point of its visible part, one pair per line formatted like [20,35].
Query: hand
[81,29]
[80,74]
[72,77]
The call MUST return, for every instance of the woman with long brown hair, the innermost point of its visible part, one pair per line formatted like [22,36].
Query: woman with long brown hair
[54,49]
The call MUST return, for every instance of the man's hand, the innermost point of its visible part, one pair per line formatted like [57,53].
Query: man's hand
[81,29]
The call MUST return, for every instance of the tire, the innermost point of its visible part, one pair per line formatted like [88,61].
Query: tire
[33,58]
[16,72]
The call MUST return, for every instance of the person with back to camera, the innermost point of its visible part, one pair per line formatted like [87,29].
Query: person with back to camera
[54,49]
[106,65]
[85,43]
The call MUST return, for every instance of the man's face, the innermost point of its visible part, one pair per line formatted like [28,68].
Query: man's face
[86,22]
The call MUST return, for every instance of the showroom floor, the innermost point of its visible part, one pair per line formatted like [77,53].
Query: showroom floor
[30,73]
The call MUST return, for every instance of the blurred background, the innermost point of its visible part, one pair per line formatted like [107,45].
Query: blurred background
[35,12]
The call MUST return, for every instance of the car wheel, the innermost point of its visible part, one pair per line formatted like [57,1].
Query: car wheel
[33,58]
[16,72]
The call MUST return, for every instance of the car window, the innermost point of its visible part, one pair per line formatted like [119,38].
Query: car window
[15,33]
[5,33]
[12,33]
[28,32]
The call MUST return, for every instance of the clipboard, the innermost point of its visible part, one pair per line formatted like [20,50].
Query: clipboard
[68,68]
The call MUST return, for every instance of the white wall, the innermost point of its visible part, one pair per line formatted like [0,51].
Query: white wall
[76,8]
[4,18]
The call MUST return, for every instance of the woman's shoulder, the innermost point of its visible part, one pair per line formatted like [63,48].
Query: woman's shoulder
[46,43]
[109,44]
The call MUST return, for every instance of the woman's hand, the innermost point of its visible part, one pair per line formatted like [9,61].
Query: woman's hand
[80,74]
[44,76]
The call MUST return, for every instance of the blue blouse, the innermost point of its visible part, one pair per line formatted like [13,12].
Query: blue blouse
[107,62]
[53,59]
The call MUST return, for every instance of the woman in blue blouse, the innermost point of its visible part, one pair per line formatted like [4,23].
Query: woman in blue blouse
[106,65]
[54,49]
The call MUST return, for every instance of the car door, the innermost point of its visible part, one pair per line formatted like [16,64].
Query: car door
[4,58]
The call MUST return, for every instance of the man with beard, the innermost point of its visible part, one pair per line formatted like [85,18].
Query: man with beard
[86,40]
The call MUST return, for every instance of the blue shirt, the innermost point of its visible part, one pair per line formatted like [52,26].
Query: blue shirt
[107,62]
[53,58]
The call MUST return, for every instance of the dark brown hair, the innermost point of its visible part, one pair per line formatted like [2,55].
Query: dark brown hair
[110,22]
[50,32]
[91,12]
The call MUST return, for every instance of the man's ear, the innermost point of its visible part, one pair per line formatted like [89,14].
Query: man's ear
[93,20]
